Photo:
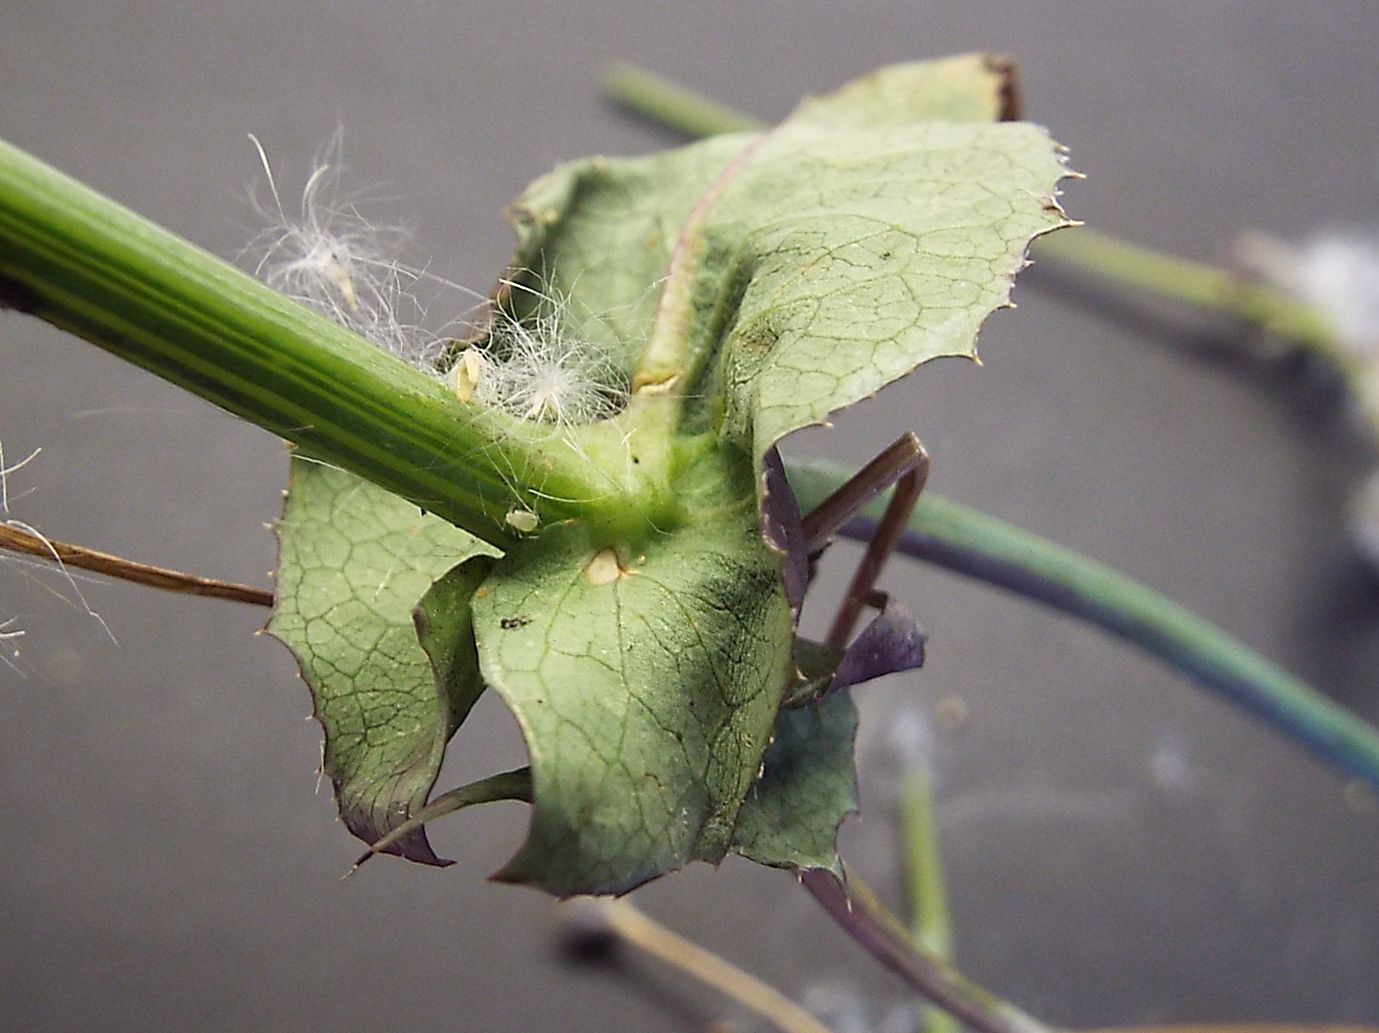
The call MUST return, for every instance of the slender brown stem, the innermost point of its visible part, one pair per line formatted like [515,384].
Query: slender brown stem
[879,550]
[66,555]
[857,492]
[859,914]
[640,931]
[904,464]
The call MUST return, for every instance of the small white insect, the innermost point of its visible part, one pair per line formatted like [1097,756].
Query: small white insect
[469,373]
[523,521]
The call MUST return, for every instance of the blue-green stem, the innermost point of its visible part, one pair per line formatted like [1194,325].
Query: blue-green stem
[980,546]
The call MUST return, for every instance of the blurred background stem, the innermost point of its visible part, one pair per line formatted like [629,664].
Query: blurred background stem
[931,924]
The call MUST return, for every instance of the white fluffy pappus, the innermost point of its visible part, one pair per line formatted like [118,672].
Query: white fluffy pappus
[10,632]
[535,370]
[329,256]
[1339,273]
[1336,272]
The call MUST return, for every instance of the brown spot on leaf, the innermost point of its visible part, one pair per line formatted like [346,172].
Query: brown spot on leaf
[1011,103]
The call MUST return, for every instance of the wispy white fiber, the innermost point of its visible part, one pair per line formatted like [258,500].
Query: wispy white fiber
[327,254]
[534,370]
[10,631]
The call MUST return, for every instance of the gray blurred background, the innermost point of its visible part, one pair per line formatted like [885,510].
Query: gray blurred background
[1121,849]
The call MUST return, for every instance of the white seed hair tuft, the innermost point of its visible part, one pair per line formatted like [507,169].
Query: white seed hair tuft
[330,257]
[535,370]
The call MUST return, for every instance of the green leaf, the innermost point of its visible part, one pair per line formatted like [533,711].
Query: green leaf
[845,258]
[355,561]
[807,787]
[754,284]
[646,687]
[598,234]
[807,784]
[819,262]
[965,88]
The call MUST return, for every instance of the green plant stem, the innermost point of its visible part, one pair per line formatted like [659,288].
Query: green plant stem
[1200,285]
[694,114]
[859,913]
[509,785]
[931,924]
[969,542]
[669,104]
[88,265]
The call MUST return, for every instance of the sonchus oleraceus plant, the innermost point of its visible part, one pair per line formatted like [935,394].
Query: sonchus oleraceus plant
[580,506]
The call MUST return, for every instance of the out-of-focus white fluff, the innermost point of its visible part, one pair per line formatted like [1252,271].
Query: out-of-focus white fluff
[1339,273]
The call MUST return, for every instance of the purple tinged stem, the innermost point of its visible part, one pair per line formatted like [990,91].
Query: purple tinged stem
[858,913]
